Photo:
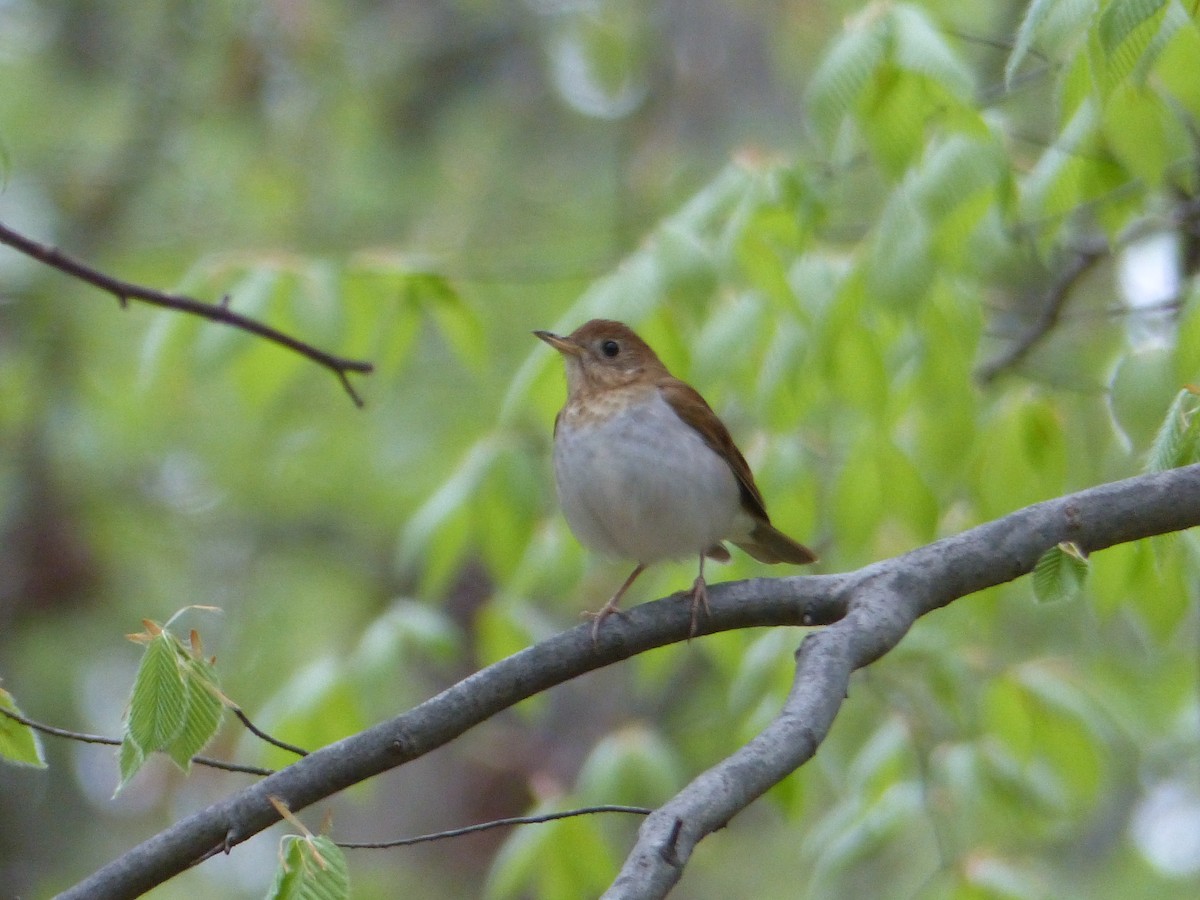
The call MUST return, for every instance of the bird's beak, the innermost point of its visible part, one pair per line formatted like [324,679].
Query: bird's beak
[561,344]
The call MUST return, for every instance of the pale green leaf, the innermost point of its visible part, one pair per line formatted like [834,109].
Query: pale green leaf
[447,501]
[19,744]
[844,73]
[310,868]
[1060,573]
[1146,136]
[1141,384]
[633,765]
[159,701]
[1058,182]
[900,266]
[1187,336]
[1048,23]
[921,46]
[1175,68]
[130,758]
[1124,32]
[202,716]
[515,866]
[458,323]
[1178,440]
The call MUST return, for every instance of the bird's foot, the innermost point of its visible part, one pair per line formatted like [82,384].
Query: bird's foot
[601,614]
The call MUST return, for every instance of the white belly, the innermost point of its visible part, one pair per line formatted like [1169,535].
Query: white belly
[642,485]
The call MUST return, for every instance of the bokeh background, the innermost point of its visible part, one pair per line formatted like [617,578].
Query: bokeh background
[836,219]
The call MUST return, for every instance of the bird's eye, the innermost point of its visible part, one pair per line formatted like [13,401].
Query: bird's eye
[610,348]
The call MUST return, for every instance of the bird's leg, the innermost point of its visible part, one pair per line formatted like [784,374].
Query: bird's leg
[611,606]
[699,598]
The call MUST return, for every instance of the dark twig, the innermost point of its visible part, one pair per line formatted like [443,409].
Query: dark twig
[259,733]
[1050,309]
[125,291]
[1183,218]
[84,738]
[496,823]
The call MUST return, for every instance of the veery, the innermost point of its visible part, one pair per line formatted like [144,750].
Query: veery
[646,470]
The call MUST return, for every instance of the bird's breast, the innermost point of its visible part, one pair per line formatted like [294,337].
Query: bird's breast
[636,482]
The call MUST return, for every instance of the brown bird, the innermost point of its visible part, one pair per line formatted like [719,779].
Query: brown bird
[646,470]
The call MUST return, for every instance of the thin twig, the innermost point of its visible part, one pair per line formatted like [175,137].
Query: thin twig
[259,733]
[1051,307]
[125,291]
[85,738]
[497,823]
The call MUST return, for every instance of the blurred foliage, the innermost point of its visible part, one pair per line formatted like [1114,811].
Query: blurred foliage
[846,225]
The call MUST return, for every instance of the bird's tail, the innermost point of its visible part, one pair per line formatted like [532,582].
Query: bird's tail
[770,545]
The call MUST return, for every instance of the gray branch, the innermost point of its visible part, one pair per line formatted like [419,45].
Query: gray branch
[867,611]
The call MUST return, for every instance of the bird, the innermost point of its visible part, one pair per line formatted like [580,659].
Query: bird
[646,471]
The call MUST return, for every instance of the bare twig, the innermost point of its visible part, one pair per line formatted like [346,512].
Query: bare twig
[259,733]
[872,607]
[1050,308]
[85,738]
[1183,218]
[125,291]
[495,823]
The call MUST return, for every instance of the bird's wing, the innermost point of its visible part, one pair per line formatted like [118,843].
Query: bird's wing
[695,411]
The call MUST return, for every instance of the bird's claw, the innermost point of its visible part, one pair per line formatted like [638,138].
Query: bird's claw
[598,617]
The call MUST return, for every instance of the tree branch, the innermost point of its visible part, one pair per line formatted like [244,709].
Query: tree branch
[125,291]
[868,611]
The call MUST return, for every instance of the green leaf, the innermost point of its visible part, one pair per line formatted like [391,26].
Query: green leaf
[1050,22]
[843,75]
[633,765]
[175,706]
[1057,183]
[921,46]
[129,759]
[856,511]
[854,366]
[1140,385]
[1175,68]
[1178,440]
[900,266]
[565,858]
[440,513]
[1023,456]
[202,715]
[1142,133]
[457,322]
[1123,33]
[158,704]
[1060,573]
[310,868]
[19,744]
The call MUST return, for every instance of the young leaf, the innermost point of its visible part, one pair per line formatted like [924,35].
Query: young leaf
[845,71]
[310,868]
[176,702]
[1124,32]
[129,759]
[19,744]
[159,701]
[1178,440]
[1050,22]
[202,713]
[1060,573]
